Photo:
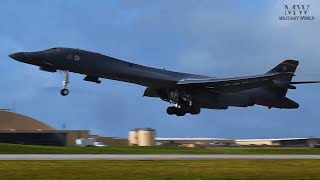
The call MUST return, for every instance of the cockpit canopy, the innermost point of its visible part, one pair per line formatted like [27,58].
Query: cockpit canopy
[53,50]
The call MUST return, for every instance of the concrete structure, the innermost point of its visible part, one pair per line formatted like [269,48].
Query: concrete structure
[146,137]
[42,137]
[293,142]
[194,142]
[142,137]
[133,137]
[12,121]
[19,129]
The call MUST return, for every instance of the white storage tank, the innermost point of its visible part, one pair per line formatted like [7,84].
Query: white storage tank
[146,137]
[133,137]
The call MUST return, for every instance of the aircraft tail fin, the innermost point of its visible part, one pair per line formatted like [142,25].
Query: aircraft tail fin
[282,85]
[287,66]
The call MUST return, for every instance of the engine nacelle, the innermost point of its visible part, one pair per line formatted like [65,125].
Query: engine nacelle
[234,99]
[47,69]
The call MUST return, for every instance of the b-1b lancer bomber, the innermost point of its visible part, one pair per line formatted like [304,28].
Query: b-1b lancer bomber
[189,92]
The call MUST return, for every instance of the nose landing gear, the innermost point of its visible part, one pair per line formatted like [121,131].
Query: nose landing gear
[64,91]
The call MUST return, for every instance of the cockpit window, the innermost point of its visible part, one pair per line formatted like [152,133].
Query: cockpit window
[53,49]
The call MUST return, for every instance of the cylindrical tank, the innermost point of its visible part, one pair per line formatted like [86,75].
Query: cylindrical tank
[146,137]
[133,137]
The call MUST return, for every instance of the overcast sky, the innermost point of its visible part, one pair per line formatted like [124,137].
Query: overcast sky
[213,37]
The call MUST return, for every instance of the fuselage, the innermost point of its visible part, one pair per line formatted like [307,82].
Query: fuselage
[99,65]
[96,65]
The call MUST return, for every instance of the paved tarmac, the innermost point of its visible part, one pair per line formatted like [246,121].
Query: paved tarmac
[146,157]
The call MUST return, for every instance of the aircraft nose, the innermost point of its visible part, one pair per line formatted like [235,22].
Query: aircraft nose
[17,56]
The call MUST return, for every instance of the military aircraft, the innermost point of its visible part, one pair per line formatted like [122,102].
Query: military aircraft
[188,92]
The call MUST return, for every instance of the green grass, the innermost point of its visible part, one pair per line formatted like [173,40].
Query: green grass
[27,149]
[205,169]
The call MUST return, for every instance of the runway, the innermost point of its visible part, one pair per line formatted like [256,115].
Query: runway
[146,157]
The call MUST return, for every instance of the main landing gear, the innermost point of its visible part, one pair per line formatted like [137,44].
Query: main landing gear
[182,110]
[64,91]
[183,103]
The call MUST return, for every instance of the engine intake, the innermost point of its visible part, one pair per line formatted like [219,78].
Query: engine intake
[92,79]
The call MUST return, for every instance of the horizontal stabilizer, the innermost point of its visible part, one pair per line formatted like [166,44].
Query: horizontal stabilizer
[282,103]
[297,82]
[305,82]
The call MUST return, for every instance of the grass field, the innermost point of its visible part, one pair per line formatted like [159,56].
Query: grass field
[27,149]
[207,169]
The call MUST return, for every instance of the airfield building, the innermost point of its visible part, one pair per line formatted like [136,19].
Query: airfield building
[19,129]
[194,142]
[284,142]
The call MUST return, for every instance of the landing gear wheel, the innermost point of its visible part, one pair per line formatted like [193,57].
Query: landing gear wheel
[171,110]
[177,111]
[195,110]
[64,92]
[180,112]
